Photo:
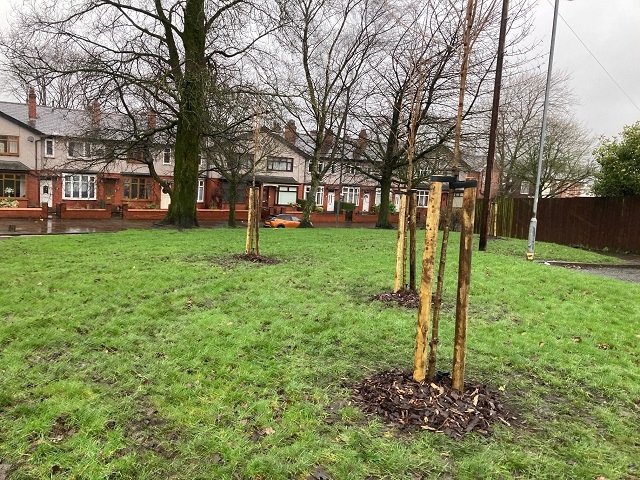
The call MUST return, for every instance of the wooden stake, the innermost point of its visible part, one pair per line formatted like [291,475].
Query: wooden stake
[257,216]
[400,274]
[412,242]
[426,284]
[250,222]
[464,280]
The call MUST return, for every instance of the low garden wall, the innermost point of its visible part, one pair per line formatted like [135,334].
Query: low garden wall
[83,213]
[34,212]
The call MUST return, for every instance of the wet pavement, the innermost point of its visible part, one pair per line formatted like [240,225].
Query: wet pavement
[10,227]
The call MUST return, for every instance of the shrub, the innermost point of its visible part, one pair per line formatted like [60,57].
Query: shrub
[347,207]
[8,203]
[392,208]
[456,218]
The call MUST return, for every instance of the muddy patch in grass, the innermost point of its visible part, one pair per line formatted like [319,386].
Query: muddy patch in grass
[411,406]
[151,432]
[231,261]
[405,298]
[253,258]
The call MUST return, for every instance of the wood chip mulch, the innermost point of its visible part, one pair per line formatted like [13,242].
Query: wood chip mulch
[409,405]
[406,298]
[253,258]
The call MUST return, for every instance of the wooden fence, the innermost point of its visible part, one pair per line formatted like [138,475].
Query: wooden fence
[595,223]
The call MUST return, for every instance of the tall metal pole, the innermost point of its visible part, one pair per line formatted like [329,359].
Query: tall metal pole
[534,221]
[493,130]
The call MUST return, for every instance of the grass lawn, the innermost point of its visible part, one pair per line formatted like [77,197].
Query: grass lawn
[157,355]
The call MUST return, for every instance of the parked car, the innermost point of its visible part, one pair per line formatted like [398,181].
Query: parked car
[283,220]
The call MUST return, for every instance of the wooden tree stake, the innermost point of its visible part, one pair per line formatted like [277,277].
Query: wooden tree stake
[464,280]
[400,275]
[426,284]
[250,223]
[412,241]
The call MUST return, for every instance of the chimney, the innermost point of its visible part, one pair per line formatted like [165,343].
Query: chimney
[363,138]
[95,113]
[31,102]
[290,131]
[152,119]
[327,141]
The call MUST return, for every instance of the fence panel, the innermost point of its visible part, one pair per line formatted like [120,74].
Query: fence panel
[595,222]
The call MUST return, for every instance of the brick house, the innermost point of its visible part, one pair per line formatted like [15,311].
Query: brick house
[57,156]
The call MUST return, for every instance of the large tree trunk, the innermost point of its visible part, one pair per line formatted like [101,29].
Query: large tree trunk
[383,213]
[182,211]
[310,203]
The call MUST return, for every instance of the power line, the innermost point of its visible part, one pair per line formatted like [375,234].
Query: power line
[598,61]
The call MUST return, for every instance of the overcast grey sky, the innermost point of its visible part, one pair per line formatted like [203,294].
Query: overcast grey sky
[610,29]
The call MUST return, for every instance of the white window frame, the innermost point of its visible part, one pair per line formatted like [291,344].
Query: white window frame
[286,191]
[167,156]
[86,149]
[378,198]
[49,142]
[80,180]
[200,197]
[351,195]
[525,187]
[319,194]
[422,198]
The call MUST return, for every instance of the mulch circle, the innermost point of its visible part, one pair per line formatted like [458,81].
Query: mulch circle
[253,258]
[437,407]
[406,298]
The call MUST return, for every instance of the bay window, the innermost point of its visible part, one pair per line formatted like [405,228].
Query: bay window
[137,188]
[12,185]
[79,187]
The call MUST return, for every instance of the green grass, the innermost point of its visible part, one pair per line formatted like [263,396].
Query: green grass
[154,354]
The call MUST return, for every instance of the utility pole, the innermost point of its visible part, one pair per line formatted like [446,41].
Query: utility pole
[531,244]
[493,130]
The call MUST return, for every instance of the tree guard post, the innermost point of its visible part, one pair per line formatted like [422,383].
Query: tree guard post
[426,284]
[250,223]
[464,280]
[400,274]
[256,219]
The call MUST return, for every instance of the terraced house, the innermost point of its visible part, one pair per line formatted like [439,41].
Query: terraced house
[54,155]
[76,159]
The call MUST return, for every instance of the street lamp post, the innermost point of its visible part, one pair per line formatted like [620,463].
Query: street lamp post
[534,221]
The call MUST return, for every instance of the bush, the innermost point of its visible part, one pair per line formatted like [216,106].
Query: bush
[456,218]
[347,207]
[392,208]
[8,203]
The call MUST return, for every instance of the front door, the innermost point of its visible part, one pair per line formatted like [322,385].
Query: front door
[109,189]
[330,197]
[46,192]
[365,203]
[165,201]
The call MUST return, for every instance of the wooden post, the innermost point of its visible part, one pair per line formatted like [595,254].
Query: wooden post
[257,216]
[250,227]
[464,280]
[400,274]
[412,241]
[426,284]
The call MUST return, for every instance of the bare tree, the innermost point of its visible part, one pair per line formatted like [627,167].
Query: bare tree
[144,55]
[425,39]
[325,45]
[567,160]
[234,151]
